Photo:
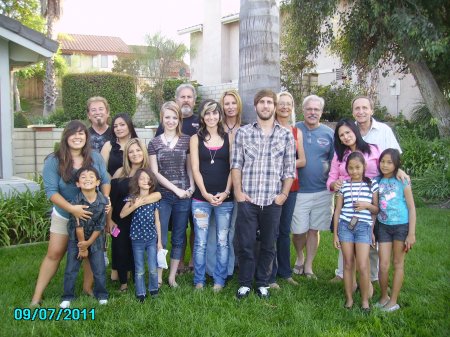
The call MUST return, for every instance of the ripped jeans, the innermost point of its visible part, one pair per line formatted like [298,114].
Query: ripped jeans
[201,213]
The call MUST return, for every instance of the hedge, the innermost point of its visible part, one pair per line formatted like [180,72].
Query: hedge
[118,89]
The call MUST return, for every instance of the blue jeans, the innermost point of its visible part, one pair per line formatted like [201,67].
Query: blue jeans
[97,262]
[212,242]
[282,261]
[170,204]
[362,233]
[201,212]
[140,247]
[250,219]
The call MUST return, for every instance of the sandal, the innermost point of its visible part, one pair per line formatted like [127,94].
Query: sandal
[298,270]
[311,276]
[123,289]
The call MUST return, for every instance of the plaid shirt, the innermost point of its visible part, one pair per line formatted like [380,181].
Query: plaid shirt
[264,161]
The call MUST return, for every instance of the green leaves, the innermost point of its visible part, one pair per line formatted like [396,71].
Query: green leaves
[24,217]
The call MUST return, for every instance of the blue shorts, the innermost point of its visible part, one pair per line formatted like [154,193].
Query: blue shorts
[362,233]
[390,233]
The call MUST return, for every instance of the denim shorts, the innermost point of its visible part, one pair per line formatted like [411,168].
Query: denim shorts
[362,233]
[389,233]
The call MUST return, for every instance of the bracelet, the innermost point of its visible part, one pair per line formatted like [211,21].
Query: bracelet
[284,194]
[227,192]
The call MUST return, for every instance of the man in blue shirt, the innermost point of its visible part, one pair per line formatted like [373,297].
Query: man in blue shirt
[313,207]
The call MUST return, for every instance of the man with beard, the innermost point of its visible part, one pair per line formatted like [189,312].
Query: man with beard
[313,207]
[185,96]
[98,114]
[263,168]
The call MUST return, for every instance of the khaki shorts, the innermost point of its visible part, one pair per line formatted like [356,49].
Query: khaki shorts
[312,211]
[58,224]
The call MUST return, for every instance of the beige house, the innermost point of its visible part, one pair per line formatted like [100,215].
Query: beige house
[215,63]
[87,53]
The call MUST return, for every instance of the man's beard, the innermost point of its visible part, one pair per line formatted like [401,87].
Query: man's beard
[186,110]
[263,117]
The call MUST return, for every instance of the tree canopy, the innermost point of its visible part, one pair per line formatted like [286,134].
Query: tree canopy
[393,35]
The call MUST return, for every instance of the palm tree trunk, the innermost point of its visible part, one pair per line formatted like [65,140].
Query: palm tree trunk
[259,51]
[17,105]
[432,95]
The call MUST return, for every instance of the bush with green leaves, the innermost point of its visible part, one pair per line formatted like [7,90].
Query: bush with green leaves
[338,100]
[20,120]
[59,118]
[118,89]
[169,87]
[24,217]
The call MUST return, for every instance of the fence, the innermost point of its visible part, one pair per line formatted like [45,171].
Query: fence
[32,145]
[31,88]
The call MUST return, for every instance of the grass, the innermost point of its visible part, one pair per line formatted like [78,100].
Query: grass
[315,308]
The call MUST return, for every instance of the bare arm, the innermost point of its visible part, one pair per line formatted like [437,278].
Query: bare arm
[106,149]
[158,229]
[411,238]
[78,211]
[301,161]
[337,213]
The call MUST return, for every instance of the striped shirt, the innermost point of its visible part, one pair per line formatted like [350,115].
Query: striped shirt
[264,161]
[353,192]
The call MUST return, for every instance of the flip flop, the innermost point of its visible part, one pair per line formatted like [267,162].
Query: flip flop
[311,276]
[298,270]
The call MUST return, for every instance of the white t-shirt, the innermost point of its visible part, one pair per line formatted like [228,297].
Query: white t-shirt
[381,135]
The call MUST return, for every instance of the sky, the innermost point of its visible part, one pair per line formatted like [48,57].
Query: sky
[136,18]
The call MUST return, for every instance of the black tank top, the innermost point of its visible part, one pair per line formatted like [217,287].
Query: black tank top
[214,168]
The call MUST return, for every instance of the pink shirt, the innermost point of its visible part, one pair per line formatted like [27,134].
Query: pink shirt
[337,170]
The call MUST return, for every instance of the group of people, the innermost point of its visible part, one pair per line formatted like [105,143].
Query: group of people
[244,190]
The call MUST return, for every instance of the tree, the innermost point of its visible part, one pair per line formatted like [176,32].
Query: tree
[259,51]
[405,36]
[156,62]
[27,13]
[51,10]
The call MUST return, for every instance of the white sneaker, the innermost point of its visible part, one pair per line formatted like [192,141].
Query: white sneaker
[243,292]
[64,304]
[103,302]
[263,292]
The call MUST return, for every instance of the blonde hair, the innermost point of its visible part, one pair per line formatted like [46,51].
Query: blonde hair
[285,93]
[235,94]
[126,169]
[172,106]
[97,99]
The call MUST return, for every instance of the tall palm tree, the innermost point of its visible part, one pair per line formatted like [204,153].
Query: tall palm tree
[51,10]
[259,51]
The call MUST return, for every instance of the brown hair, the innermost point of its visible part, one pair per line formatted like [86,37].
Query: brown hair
[126,169]
[134,182]
[265,93]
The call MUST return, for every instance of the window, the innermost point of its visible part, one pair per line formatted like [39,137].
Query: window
[68,59]
[104,61]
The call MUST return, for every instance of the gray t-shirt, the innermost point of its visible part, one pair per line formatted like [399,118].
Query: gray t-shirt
[319,151]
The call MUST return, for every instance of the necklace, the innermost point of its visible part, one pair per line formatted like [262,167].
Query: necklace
[230,130]
[169,141]
[212,156]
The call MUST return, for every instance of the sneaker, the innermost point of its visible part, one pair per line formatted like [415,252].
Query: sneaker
[154,293]
[199,286]
[141,298]
[336,279]
[243,292]
[64,304]
[380,305]
[103,302]
[274,285]
[263,292]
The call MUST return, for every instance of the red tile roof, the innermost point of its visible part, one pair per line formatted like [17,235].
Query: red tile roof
[93,44]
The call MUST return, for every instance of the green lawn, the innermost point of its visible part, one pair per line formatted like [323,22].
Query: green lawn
[315,308]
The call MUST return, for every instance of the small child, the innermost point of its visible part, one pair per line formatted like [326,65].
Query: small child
[145,231]
[356,206]
[85,237]
[396,226]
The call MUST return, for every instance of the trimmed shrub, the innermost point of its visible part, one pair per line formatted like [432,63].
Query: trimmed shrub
[59,118]
[118,89]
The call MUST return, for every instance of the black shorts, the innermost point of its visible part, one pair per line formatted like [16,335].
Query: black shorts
[389,233]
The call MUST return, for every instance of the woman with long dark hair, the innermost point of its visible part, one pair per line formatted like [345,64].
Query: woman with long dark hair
[58,174]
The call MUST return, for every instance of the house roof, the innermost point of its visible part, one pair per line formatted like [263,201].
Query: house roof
[93,44]
[29,34]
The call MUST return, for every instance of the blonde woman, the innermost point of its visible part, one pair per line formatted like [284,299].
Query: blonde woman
[285,116]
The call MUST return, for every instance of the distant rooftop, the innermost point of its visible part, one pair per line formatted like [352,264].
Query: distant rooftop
[93,44]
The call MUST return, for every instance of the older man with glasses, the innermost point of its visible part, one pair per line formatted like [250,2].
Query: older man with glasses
[313,207]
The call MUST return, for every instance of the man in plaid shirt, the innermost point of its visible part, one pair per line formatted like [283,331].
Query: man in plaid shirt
[263,168]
